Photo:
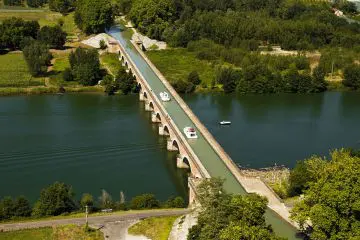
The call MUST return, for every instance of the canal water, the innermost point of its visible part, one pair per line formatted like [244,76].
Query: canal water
[280,129]
[90,141]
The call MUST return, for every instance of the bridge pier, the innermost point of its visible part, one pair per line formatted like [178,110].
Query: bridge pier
[171,147]
[163,130]
[154,118]
[149,106]
[180,163]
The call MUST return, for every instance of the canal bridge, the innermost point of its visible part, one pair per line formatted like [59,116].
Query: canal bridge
[203,156]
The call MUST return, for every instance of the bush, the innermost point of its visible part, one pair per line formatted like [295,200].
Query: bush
[144,201]
[182,86]
[352,76]
[67,75]
[102,44]
[194,78]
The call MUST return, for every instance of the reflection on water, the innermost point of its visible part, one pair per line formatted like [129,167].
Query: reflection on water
[90,141]
[280,129]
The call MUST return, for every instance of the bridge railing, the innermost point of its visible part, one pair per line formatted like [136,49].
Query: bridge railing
[204,173]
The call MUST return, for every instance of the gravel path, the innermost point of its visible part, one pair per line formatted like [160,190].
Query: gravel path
[97,220]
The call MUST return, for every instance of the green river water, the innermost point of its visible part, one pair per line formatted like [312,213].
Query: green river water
[95,142]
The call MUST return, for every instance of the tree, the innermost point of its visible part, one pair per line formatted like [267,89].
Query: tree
[85,66]
[122,6]
[194,78]
[144,201]
[332,201]
[228,77]
[106,200]
[14,30]
[62,6]
[102,44]
[13,2]
[125,81]
[352,76]
[175,202]
[22,207]
[225,216]
[54,37]
[36,3]
[319,82]
[6,208]
[182,86]
[55,200]
[37,57]
[93,16]
[87,200]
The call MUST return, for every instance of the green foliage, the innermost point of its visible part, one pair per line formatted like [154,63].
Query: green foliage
[144,201]
[152,17]
[22,207]
[332,201]
[102,44]
[93,16]
[228,77]
[125,81]
[122,6]
[105,200]
[87,200]
[182,86]
[225,216]
[194,78]
[67,75]
[109,83]
[54,37]
[6,208]
[174,202]
[13,2]
[14,30]
[36,3]
[37,57]
[352,76]
[54,200]
[85,66]
[62,6]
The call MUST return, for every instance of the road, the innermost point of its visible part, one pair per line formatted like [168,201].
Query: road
[96,220]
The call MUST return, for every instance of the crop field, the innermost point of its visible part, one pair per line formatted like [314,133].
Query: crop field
[14,72]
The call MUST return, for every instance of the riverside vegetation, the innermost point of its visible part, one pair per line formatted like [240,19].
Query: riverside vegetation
[58,199]
[229,35]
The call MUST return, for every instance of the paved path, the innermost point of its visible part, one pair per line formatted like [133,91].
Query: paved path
[96,220]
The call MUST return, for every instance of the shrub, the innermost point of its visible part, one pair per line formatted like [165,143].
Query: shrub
[144,201]
[194,78]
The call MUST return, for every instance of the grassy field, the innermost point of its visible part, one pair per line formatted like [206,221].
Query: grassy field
[14,72]
[176,64]
[111,62]
[156,228]
[56,233]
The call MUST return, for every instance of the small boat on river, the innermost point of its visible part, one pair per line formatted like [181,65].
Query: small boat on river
[225,123]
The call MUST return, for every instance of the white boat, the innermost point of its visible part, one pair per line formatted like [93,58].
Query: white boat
[164,96]
[190,132]
[225,123]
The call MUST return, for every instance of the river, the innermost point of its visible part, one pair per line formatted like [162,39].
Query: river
[90,141]
[95,142]
[280,129]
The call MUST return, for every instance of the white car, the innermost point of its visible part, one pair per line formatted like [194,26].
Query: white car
[164,96]
[190,132]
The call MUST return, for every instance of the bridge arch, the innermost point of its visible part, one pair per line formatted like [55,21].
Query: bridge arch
[158,116]
[166,130]
[175,145]
[151,106]
[145,95]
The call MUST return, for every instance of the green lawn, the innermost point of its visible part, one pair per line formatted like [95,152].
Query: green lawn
[55,233]
[155,228]
[176,64]
[111,61]
[14,72]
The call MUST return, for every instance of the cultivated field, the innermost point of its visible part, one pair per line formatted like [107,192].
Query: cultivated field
[14,72]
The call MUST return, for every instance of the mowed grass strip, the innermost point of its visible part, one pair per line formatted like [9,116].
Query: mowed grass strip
[14,72]
[176,64]
[111,61]
[155,228]
[54,233]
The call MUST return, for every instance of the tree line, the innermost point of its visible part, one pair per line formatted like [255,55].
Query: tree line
[58,199]
[293,25]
